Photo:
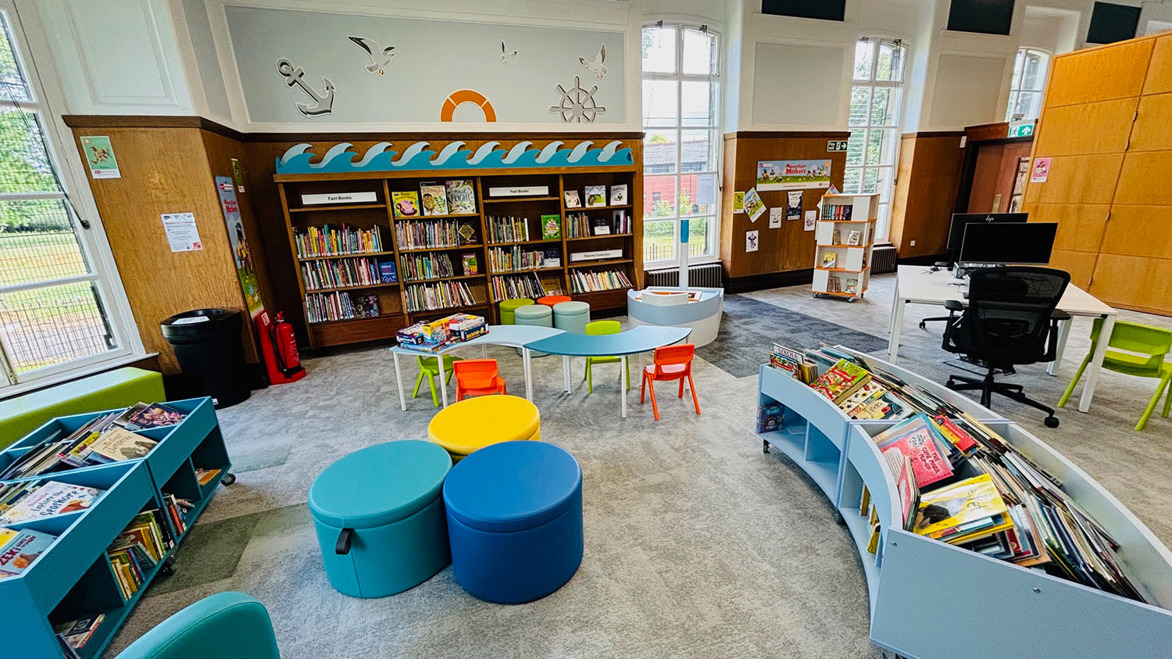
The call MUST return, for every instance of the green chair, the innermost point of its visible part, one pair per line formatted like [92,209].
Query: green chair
[429,368]
[598,328]
[1150,344]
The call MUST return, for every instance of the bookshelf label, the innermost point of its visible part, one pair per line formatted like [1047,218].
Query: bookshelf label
[339,198]
[596,255]
[520,191]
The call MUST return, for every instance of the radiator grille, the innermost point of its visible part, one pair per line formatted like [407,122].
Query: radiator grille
[703,276]
[883,259]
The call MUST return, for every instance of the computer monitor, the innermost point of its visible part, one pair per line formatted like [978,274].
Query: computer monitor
[962,220]
[1018,242]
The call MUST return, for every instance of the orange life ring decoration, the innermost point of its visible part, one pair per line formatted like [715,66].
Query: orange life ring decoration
[462,96]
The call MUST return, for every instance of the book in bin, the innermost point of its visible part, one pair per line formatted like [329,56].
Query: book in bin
[842,380]
[918,439]
[18,550]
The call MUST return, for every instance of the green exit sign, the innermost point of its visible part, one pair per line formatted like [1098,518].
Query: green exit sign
[1021,129]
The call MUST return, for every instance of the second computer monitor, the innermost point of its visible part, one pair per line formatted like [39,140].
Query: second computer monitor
[1020,242]
[962,220]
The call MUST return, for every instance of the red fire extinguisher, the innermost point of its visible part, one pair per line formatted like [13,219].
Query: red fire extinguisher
[279,346]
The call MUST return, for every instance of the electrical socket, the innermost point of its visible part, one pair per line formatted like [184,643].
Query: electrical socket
[913,243]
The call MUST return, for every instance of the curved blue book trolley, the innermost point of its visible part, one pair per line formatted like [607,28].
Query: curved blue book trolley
[929,599]
[73,578]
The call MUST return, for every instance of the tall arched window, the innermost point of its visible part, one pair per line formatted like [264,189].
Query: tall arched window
[876,98]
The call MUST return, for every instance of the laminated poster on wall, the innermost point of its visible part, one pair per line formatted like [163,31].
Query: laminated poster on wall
[775,218]
[751,241]
[810,220]
[1041,170]
[738,202]
[99,155]
[753,204]
[793,206]
[793,174]
[182,234]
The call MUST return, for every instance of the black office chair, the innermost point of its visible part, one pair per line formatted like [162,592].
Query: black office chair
[1011,320]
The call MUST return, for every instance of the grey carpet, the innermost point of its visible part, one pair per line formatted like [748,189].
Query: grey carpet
[697,545]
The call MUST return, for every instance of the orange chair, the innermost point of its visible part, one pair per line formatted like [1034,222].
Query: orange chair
[671,363]
[477,377]
[550,300]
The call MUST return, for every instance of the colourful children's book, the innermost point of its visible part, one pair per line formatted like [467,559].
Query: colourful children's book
[433,198]
[461,197]
[406,204]
[471,266]
[18,550]
[918,440]
[551,227]
[963,511]
[842,380]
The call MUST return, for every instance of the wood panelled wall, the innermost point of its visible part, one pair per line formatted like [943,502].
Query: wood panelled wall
[926,180]
[789,248]
[1106,126]
[167,166]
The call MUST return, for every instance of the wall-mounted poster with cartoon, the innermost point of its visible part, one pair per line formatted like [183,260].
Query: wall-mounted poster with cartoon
[348,68]
[236,238]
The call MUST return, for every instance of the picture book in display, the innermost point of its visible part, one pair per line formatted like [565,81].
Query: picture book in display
[551,227]
[461,197]
[470,264]
[572,199]
[155,415]
[18,550]
[618,194]
[433,198]
[29,500]
[917,439]
[595,196]
[599,226]
[964,511]
[406,204]
[387,272]
[905,485]
[467,234]
[789,360]
[770,417]
[842,380]
[829,259]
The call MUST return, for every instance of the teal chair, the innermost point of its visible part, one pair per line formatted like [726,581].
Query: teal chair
[225,625]
[429,368]
[1146,347]
[598,328]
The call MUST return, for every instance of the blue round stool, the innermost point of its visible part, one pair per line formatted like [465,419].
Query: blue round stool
[515,521]
[379,516]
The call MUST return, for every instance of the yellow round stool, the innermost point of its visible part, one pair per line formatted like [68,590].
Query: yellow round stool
[471,424]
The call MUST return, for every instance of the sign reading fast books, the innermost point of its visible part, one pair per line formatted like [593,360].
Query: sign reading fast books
[339,198]
[520,191]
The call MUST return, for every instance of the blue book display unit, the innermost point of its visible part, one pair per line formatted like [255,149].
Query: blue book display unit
[74,578]
[931,599]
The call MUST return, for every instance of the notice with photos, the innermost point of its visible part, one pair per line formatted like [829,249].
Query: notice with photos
[182,234]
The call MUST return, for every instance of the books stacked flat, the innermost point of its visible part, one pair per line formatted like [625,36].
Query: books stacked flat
[74,634]
[18,550]
[30,500]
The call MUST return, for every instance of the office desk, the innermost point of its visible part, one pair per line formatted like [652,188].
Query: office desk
[919,285]
[512,336]
[640,339]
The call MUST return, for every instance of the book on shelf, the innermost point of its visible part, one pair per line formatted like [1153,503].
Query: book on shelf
[599,226]
[18,550]
[527,285]
[1042,526]
[553,257]
[618,194]
[76,633]
[770,417]
[621,222]
[470,264]
[405,203]
[388,274]
[339,305]
[330,273]
[467,234]
[426,265]
[583,281]
[508,229]
[836,237]
[551,227]
[854,237]
[918,439]
[512,259]
[144,543]
[329,241]
[852,286]
[829,259]
[791,361]
[837,212]
[439,295]
[29,500]
[434,233]
[595,196]
[461,197]
[205,476]
[572,199]
[433,199]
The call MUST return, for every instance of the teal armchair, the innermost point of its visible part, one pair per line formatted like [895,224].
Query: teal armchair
[225,625]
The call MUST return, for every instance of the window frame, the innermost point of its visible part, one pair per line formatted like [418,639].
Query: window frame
[883,225]
[29,48]
[1019,59]
[715,140]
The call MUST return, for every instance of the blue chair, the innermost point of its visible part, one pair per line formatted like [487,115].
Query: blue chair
[225,625]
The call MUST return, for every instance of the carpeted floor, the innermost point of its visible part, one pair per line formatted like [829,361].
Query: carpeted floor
[697,544]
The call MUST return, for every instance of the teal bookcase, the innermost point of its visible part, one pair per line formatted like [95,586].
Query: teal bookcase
[911,578]
[73,578]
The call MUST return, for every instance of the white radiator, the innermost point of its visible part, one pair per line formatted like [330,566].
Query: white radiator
[708,275]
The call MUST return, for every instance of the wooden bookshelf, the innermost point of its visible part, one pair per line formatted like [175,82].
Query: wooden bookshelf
[393,298]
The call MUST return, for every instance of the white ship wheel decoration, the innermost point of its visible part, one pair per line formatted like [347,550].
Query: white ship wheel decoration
[577,104]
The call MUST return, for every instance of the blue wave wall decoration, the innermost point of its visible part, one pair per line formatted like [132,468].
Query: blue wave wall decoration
[339,159]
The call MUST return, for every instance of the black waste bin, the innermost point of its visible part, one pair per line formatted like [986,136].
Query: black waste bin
[210,350]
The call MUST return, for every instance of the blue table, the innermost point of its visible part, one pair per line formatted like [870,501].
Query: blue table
[640,339]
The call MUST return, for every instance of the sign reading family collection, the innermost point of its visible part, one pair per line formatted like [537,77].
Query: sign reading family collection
[793,175]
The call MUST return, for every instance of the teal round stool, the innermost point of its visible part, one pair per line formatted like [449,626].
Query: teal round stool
[509,308]
[537,314]
[571,316]
[379,516]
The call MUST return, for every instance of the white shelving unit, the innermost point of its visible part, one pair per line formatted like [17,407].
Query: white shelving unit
[846,231]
